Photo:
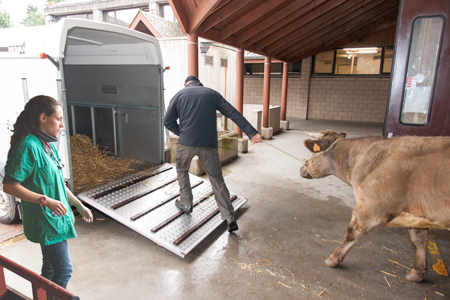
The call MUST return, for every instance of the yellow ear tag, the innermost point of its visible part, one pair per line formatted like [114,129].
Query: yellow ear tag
[316,147]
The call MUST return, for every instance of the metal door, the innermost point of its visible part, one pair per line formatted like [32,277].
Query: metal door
[418,101]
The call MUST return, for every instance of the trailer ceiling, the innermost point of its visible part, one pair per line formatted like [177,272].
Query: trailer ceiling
[288,30]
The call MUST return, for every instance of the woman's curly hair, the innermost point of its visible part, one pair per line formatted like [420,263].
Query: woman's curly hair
[28,120]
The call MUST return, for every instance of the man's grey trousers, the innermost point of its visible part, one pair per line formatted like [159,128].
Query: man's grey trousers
[209,158]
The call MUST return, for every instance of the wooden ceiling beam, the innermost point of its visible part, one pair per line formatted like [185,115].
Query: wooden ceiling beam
[221,5]
[284,22]
[227,11]
[252,16]
[272,20]
[214,35]
[299,23]
[201,13]
[341,37]
[330,40]
[333,19]
[344,40]
[180,14]
[353,24]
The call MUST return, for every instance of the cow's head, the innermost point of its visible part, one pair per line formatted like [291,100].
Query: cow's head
[320,163]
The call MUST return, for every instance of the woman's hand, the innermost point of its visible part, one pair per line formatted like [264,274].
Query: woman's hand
[56,206]
[85,213]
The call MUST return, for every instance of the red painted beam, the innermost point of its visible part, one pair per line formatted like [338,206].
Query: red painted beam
[181,14]
[39,284]
[201,13]
[227,11]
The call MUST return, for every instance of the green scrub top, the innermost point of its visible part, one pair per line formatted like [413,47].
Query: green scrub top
[30,164]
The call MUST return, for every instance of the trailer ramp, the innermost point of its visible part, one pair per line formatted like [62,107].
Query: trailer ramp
[145,202]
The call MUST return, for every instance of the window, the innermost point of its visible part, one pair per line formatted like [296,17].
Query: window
[421,72]
[387,61]
[209,60]
[122,17]
[87,16]
[324,62]
[166,12]
[224,62]
[294,69]
[354,61]
[358,61]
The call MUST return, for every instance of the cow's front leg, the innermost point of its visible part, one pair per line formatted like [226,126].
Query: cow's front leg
[419,239]
[361,224]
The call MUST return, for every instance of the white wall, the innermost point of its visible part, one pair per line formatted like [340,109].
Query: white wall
[174,53]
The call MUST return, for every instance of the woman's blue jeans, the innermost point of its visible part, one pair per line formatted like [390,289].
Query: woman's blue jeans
[57,266]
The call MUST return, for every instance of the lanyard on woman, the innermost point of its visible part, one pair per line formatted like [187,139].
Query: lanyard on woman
[49,151]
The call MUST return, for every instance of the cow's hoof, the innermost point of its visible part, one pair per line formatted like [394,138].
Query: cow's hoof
[414,276]
[332,262]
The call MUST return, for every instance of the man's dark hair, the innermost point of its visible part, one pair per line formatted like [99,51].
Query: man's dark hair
[190,78]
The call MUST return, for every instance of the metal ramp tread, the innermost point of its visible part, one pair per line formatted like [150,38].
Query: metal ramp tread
[144,202]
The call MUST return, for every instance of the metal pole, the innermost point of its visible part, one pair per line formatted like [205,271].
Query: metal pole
[192,53]
[266,95]
[239,85]
[26,98]
[284,87]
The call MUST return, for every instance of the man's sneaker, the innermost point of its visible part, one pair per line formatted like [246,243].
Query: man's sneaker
[186,209]
[232,225]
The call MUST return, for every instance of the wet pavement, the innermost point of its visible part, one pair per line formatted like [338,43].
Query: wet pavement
[288,227]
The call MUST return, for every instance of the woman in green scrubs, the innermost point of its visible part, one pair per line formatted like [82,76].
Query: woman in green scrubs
[34,174]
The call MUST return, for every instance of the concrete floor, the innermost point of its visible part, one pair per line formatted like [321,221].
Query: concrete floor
[288,227]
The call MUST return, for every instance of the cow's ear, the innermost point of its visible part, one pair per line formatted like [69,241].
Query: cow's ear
[316,145]
[342,135]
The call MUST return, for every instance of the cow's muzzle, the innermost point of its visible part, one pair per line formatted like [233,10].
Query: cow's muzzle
[304,173]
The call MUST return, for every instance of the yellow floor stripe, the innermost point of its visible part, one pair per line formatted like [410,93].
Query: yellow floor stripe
[436,259]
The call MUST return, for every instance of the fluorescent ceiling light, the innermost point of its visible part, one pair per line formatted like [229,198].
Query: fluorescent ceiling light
[361,50]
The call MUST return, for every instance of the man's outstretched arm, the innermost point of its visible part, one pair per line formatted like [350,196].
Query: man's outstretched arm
[230,112]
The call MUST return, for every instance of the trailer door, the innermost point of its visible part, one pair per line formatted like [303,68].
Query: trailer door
[418,97]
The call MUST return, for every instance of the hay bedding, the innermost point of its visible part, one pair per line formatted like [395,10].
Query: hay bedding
[93,167]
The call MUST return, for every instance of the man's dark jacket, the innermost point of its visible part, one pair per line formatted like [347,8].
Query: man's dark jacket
[195,106]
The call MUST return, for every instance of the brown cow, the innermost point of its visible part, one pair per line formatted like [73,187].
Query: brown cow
[401,182]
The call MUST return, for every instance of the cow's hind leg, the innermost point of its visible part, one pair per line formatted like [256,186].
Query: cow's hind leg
[361,224]
[419,239]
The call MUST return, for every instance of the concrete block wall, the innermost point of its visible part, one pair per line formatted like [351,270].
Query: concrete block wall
[348,99]
[354,99]
[297,91]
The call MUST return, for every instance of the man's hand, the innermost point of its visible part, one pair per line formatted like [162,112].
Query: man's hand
[256,138]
